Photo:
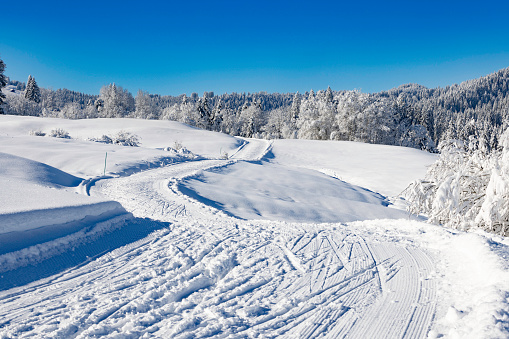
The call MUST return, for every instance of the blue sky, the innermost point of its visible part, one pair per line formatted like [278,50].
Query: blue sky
[249,46]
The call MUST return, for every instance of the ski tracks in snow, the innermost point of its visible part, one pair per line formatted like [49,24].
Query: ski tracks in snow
[208,274]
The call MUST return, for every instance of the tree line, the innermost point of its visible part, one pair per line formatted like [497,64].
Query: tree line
[410,115]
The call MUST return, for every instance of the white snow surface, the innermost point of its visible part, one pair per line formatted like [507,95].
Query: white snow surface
[35,206]
[177,262]
[84,158]
[267,191]
[384,169]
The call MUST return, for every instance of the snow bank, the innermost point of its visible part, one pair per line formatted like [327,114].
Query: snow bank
[268,191]
[31,214]
[384,169]
[35,172]
[34,210]
[41,251]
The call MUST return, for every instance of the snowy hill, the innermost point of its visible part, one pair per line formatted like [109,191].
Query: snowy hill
[289,238]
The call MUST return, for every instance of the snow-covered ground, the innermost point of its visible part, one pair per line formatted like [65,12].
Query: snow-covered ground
[267,243]
[384,169]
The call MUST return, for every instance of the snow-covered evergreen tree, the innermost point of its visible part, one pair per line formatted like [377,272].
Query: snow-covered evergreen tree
[204,112]
[3,83]
[32,91]
[217,116]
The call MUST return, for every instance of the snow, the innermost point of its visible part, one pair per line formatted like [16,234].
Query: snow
[263,244]
[154,134]
[34,210]
[266,191]
[383,169]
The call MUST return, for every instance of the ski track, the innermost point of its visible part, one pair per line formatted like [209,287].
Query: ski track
[209,274]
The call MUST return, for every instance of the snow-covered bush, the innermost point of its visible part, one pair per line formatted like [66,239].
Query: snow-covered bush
[59,133]
[37,133]
[465,188]
[125,138]
[224,156]
[104,139]
[177,145]
[121,138]
[180,150]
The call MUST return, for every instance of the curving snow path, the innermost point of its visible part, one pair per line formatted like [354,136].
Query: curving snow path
[207,274]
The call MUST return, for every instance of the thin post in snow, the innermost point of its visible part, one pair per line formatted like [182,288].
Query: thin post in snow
[105,157]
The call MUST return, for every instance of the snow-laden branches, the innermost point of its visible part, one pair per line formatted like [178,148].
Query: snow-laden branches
[465,188]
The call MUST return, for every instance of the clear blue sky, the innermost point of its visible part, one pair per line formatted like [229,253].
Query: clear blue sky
[169,47]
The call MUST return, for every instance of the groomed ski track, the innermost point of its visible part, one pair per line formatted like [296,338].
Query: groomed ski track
[206,274]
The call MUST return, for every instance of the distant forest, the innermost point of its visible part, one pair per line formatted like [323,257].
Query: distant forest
[410,115]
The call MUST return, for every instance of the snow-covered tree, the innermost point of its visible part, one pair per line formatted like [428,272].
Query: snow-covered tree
[316,117]
[217,116]
[117,102]
[146,108]
[465,188]
[32,91]
[3,82]
[279,124]
[494,212]
[16,104]
[72,110]
[251,120]
[184,112]
[204,112]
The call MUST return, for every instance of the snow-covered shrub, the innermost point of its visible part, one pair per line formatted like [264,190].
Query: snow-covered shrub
[177,145]
[179,149]
[465,188]
[494,213]
[104,139]
[59,133]
[185,152]
[37,133]
[121,138]
[224,156]
[125,138]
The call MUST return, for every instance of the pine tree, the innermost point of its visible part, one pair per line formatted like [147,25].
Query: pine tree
[204,112]
[32,92]
[329,97]
[217,116]
[3,83]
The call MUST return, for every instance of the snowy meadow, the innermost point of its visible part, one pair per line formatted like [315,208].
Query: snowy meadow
[128,228]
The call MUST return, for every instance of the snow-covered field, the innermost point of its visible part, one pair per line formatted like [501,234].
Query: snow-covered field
[287,238]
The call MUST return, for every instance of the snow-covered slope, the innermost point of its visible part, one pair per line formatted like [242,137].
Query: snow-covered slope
[155,134]
[84,158]
[267,191]
[384,169]
[182,266]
